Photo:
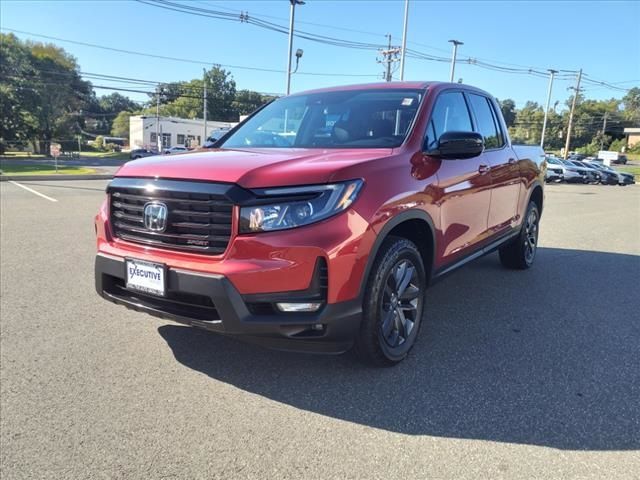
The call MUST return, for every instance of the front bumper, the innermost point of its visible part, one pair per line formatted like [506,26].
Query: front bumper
[211,301]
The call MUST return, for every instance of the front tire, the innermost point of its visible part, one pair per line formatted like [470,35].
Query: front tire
[521,253]
[393,304]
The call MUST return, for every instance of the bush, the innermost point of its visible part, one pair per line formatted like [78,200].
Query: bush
[99,142]
[590,149]
[616,145]
[112,147]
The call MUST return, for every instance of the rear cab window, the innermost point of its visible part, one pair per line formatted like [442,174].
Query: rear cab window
[487,121]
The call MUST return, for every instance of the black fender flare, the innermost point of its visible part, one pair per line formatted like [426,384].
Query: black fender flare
[413,214]
[532,188]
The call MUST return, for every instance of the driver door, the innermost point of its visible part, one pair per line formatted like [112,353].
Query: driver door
[464,184]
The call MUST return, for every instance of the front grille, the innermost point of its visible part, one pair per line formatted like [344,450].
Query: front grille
[199,215]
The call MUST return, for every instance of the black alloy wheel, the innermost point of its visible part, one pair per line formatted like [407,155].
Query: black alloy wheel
[393,303]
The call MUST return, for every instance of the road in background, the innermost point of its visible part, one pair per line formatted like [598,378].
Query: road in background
[516,375]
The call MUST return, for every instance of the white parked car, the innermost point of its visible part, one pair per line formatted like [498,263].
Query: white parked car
[176,149]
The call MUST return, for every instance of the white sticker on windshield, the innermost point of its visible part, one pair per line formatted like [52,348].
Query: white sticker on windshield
[407,102]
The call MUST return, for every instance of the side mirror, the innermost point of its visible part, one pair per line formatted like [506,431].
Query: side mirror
[458,145]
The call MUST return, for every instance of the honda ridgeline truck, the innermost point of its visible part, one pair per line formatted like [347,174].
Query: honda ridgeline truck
[318,222]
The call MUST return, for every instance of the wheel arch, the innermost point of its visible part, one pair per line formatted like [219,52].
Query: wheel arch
[413,225]
[537,196]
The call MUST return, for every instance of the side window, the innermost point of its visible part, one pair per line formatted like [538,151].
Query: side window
[486,121]
[449,114]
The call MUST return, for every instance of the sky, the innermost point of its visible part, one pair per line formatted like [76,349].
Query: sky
[601,37]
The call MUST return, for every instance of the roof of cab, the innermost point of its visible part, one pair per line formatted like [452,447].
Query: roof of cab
[372,86]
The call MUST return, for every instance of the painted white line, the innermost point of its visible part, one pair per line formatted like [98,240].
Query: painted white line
[32,191]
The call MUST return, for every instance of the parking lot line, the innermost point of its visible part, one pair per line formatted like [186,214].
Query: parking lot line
[33,191]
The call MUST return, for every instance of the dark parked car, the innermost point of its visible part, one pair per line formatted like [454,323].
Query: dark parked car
[593,175]
[613,177]
[141,153]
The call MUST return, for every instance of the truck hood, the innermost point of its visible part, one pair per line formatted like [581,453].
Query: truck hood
[253,168]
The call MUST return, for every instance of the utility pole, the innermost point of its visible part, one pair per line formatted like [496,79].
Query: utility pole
[546,110]
[604,129]
[453,57]
[389,56]
[204,101]
[158,141]
[404,38]
[573,107]
[291,19]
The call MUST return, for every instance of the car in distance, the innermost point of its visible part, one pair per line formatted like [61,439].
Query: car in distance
[621,160]
[592,175]
[625,178]
[214,136]
[554,173]
[614,177]
[570,173]
[573,173]
[140,153]
[603,176]
[175,149]
[294,239]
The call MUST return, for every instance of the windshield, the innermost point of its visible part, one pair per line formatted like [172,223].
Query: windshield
[341,119]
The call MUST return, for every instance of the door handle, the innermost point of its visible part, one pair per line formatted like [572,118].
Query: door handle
[482,169]
[512,161]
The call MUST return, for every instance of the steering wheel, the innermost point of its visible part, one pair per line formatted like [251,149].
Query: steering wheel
[266,139]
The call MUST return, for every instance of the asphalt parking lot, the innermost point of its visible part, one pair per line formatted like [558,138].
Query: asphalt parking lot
[530,374]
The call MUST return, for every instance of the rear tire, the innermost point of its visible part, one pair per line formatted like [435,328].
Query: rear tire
[521,253]
[393,304]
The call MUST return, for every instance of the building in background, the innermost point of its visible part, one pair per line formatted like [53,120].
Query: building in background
[633,136]
[173,131]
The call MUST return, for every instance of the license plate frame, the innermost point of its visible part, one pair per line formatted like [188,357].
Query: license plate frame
[148,285]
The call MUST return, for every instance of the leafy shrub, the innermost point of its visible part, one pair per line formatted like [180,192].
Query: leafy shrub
[112,147]
[616,145]
[99,142]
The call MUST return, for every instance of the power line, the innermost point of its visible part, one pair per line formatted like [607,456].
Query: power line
[176,59]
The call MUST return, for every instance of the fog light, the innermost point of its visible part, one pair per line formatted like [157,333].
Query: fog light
[299,307]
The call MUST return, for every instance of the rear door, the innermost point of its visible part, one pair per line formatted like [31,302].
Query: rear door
[505,173]
[464,184]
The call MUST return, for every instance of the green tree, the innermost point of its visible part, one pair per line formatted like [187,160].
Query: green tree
[114,103]
[185,99]
[247,101]
[18,98]
[42,92]
[631,104]
[508,108]
[61,92]
[527,127]
[120,126]
[221,92]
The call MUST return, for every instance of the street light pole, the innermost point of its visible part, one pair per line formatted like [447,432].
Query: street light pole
[291,19]
[453,57]
[546,110]
[158,141]
[204,101]
[404,38]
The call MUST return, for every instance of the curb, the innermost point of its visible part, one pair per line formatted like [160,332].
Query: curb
[24,178]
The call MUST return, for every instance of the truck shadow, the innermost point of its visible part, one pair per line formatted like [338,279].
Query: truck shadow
[545,357]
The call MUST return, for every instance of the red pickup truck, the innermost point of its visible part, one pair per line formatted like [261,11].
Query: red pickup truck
[318,222]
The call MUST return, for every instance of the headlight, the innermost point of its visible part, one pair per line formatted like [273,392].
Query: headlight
[284,208]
